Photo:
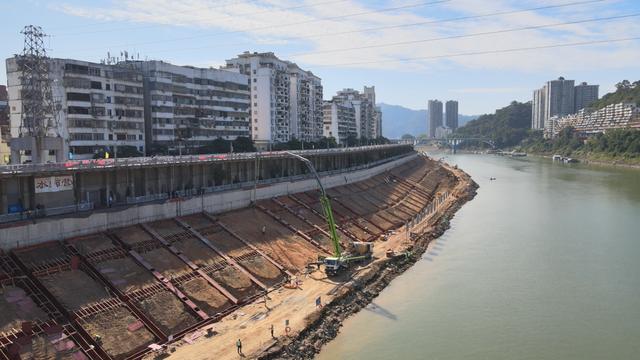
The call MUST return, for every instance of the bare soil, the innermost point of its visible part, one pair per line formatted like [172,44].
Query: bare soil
[91,244]
[74,288]
[165,262]
[263,270]
[167,312]
[132,234]
[111,326]
[125,274]
[197,251]
[41,255]
[208,299]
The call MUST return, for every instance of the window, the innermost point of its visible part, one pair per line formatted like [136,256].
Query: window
[110,136]
[96,85]
[108,100]
[107,86]
[78,110]
[255,80]
[140,138]
[78,97]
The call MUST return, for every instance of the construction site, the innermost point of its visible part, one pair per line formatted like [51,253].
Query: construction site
[188,286]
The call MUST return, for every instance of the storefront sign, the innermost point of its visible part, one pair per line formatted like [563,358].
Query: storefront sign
[53,183]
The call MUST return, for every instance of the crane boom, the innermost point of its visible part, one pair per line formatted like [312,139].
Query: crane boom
[326,205]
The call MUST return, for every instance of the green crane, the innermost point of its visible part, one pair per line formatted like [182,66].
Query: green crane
[339,260]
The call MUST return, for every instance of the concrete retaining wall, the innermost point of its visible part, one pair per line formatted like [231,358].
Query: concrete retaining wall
[61,228]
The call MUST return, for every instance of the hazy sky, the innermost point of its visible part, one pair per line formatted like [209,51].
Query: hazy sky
[396,45]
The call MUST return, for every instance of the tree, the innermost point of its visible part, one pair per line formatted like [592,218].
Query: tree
[407,137]
[327,143]
[243,144]
[217,146]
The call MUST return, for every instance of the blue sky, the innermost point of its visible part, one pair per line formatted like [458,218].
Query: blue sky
[320,36]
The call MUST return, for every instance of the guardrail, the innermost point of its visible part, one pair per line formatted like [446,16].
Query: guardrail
[169,160]
[45,212]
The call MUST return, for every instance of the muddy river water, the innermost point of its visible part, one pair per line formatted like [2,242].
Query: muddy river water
[543,264]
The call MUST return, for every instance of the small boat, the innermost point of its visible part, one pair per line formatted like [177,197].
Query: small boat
[492,178]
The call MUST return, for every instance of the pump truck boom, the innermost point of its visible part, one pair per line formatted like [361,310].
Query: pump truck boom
[340,260]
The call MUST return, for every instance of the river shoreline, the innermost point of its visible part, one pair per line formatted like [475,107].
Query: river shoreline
[324,325]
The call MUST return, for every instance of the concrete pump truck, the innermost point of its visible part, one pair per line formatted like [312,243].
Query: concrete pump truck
[340,260]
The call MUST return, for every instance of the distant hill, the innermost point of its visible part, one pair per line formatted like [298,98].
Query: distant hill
[398,120]
[625,92]
[507,127]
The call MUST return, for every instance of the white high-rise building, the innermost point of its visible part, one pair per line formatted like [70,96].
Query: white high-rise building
[451,114]
[339,120]
[538,109]
[286,101]
[99,106]
[365,109]
[559,97]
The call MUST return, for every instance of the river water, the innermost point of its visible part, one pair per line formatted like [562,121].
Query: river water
[543,264]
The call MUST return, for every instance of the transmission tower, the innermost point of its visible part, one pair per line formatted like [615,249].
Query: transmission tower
[39,115]
[39,130]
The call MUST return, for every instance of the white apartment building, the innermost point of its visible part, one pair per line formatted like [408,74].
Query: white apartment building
[614,116]
[378,123]
[187,107]
[286,101]
[538,109]
[435,116]
[339,120]
[99,106]
[365,110]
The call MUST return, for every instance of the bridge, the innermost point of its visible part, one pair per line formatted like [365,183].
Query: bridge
[454,141]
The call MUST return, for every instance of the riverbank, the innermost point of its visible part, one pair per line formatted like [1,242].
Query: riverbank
[300,326]
[324,325]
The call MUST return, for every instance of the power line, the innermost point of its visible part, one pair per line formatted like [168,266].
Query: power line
[500,51]
[232,2]
[461,18]
[273,9]
[430,22]
[331,18]
[533,27]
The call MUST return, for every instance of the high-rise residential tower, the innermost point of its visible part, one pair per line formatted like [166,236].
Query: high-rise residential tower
[584,95]
[435,116]
[451,114]
[286,101]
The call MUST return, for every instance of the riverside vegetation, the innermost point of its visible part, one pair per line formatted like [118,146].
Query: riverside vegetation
[510,127]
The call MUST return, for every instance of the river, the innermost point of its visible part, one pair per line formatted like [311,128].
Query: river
[543,264]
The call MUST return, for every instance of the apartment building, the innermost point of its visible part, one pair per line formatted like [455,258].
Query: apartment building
[558,98]
[585,94]
[538,109]
[98,106]
[435,116]
[614,116]
[339,120]
[286,101]
[451,114]
[187,107]
[378,123]
[4,126]
[365,110]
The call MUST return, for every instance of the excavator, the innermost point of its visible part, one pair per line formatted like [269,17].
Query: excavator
[341,260]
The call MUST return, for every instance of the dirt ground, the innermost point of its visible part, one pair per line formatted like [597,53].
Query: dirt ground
[41,255]
[74,288]
[197,251]
[167,312]
[262,269]
[111,326]
[132,234]
[16,307]
[125,274]
[165,262]
[208,299]
[235,281]
[91,244]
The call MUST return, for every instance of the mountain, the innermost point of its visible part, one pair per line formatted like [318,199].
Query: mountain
[626,91]
[398,120]
[507,127]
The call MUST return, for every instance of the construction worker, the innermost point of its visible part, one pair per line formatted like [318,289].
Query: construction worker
[239,347]
[273,337]
[98,339]
[264,229]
